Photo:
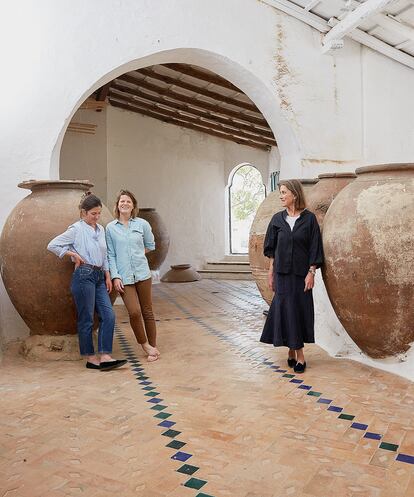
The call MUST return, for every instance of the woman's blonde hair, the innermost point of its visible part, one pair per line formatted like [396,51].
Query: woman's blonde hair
[134,212]
[294,186]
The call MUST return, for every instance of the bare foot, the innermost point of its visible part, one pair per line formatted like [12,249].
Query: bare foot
[152,358]
[149,350]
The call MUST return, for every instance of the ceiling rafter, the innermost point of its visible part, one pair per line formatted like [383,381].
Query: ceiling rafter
[166,94]
[233,130]
[196,89]
[184,108]
[194,127]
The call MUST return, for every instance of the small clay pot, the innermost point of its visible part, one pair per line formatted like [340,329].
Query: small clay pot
[181,273]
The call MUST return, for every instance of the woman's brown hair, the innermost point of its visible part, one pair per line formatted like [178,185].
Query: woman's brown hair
[89,201]
[134,212]
[294,186]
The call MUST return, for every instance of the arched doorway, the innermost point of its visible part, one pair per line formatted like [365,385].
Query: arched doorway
[246,191]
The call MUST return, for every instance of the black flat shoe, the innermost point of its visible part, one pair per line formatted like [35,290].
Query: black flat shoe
[107,366]
[300,368]
[291,362]
[91,365]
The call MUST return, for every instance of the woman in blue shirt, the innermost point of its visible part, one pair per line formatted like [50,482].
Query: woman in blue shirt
[128,238]
[84,243]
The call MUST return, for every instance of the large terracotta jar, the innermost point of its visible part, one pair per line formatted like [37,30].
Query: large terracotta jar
[368,239]
[162,238]
[38,282]
[321,196]
[259,264]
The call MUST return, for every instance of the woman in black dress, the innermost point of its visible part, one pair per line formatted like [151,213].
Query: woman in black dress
[293,244]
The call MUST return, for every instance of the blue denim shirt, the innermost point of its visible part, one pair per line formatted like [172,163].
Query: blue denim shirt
[83,239]
[126,250]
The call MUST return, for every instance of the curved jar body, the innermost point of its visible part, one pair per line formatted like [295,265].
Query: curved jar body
[368,240]
[322,195]
[259,264]
[38,282]
[162,238]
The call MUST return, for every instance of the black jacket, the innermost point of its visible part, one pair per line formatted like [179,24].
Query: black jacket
[294,251]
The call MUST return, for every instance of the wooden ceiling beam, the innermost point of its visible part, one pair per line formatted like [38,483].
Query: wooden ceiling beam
[177,107]
[203,76]
[150,73]
[191,120]
[194,127]
[171,94]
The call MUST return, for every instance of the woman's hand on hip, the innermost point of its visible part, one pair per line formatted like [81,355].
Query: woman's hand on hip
[118,285]
[76,258]
[309,282]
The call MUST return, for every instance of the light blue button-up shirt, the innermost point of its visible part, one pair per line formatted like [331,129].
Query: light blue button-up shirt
[85,240]
[126,250]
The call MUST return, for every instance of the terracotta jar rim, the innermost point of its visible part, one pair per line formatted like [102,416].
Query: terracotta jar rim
[309,181]
[33,184]
[337,175]
[181,266]
[402,166]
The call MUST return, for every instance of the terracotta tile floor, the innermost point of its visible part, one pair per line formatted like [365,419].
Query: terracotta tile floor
[215,416]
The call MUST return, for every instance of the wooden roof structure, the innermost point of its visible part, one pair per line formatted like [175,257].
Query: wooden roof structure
[190,97]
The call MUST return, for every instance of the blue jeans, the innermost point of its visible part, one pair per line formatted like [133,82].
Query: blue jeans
[89,292]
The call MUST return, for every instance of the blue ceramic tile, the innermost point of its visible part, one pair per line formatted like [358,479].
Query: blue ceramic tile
[274,367]
[296,381]
[335,409]
[145,382]
[359,426]
[181,456]
[166,424]
[280,370]
[373,436]
[305,387]
[154,400]
[324,401]
[405,458]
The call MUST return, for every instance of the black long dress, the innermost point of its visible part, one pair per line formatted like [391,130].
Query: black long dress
[290,321]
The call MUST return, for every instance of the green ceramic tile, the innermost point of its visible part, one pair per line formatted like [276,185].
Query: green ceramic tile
[148,388]
[152,394]
[163,415]
[388,446]
[171,433]
[195,483]
[204,495]
[314,394]
[187,469]
[348,417]
[175,444]
[158,407]
[288,375]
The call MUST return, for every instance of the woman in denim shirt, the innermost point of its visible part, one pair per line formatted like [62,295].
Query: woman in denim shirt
[128,238]
[84,243]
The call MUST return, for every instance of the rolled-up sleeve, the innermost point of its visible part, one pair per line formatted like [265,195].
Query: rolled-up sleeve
[315,248]
[113,269]
[62,243]
[270,241]
[149,242]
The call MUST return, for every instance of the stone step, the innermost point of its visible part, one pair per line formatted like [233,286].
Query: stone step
[225,274]
[236,258]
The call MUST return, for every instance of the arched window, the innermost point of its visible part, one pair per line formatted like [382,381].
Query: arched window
[246,193]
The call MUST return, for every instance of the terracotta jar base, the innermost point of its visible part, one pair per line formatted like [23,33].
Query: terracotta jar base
[50,348]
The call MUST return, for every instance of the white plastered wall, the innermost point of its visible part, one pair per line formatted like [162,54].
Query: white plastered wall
[326,112]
